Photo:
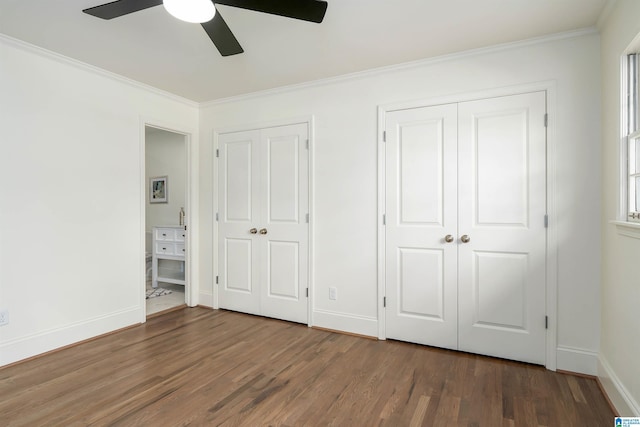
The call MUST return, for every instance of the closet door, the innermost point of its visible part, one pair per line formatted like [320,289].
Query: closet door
[421,199]
[263,197]
[284,183]
[465,198]
[502,205]
[238,218]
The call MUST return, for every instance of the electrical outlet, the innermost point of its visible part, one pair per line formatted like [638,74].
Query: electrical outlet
[4,317]
[333,293]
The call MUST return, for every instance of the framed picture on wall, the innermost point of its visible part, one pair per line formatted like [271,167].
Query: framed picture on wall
[158,191]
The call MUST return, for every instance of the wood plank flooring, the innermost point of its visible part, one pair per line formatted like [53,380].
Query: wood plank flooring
[200,367]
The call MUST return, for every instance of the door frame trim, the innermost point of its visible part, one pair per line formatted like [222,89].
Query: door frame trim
[216,132]
[191,195]
[551,242]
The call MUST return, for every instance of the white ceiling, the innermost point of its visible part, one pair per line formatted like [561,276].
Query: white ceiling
[154,48]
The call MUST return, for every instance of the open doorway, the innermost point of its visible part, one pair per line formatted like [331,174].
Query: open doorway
[166,279]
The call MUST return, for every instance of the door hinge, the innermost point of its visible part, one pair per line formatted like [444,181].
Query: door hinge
[307,218]
[546,119]
[384,219]
[307,292]
[546,322]
[217,216]
[384,136]
[185,228]
[307,144]
[546,221]
[217,153]
[216,280]
[384,301]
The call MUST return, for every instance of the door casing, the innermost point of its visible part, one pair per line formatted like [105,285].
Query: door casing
[191,264]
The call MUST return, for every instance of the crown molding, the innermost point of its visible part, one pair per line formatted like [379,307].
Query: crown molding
[404,66]
[45,53]
[314,83]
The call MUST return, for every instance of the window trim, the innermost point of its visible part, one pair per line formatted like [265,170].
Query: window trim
[632,172]
[629,132]
[626,228]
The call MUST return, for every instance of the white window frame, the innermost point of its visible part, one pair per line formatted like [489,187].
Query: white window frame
[630,141]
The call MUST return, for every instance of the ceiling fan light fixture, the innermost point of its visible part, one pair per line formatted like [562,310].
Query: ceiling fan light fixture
[194,11]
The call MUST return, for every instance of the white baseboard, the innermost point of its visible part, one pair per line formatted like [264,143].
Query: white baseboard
[577,360]
[205,299]
[617,392]
[336,321]
[32,345]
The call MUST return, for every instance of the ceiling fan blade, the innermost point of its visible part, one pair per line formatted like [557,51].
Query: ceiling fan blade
[120,8]
[221,36]
[306,10]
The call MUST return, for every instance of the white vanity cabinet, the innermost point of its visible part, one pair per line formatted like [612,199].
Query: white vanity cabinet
[169,252]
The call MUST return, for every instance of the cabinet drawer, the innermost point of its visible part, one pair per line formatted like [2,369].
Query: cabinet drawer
[180,250]
[166,248]
[180,234]
[165,234]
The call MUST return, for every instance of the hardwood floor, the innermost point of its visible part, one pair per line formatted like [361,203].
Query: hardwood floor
[202,367]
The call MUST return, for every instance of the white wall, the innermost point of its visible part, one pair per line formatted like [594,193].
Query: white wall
[165,155]
[71,199]
[619,368]
[345,175]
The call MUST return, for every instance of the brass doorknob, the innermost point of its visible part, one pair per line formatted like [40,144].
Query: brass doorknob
[263,231]
[253,231]
[465,238]
[448,238]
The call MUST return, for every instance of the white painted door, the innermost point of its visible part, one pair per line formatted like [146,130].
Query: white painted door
[502,205]
[263,228]
[475,171]
[284,192]
[239,213]
[421,203]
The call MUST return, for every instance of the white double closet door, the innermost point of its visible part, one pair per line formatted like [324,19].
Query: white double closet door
[465,226]
[263,198]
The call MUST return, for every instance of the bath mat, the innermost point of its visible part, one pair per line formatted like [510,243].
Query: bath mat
[157,292]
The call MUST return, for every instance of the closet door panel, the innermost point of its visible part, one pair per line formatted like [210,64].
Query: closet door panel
[421,197]
[502,204]
[500,289]
[421,283]
[284,193]
[421,173]
[238,254]
[283,181]
[283,281]
[501,175]
[237,181]
[239,209]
